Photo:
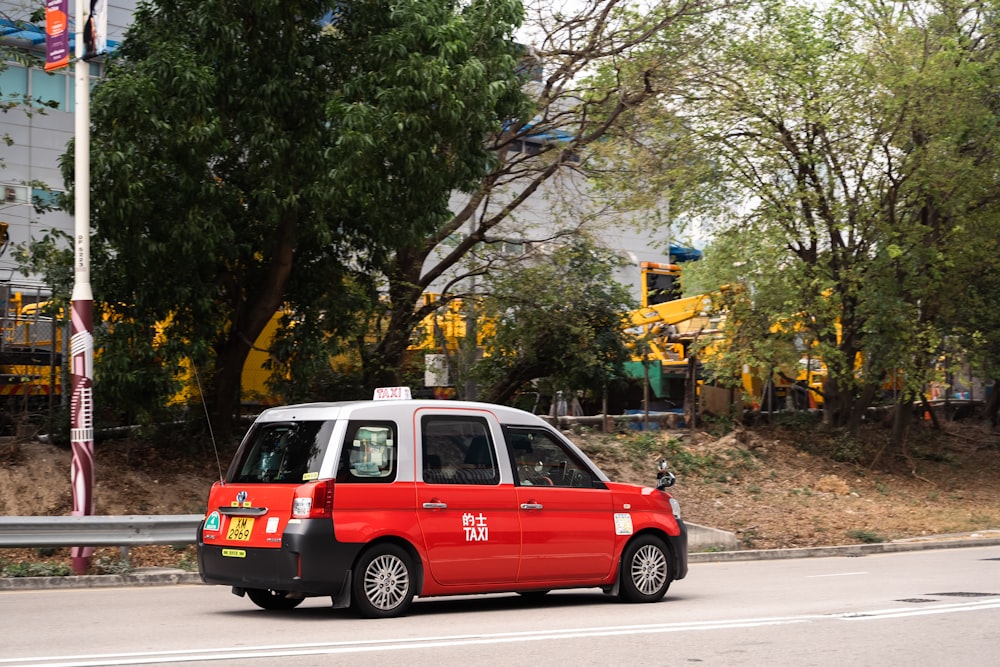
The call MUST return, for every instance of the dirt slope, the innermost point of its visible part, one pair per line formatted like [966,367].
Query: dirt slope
[773,488]
[780,489]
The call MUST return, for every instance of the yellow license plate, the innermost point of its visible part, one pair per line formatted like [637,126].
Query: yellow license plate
[240,528]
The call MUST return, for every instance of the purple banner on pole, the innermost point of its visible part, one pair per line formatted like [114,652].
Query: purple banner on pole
[56,34]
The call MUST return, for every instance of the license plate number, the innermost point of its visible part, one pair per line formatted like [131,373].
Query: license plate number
[240,528]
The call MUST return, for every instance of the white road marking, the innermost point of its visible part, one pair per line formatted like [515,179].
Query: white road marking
[450,641]
[902,612]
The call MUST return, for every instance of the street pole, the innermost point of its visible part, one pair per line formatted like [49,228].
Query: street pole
[82,336]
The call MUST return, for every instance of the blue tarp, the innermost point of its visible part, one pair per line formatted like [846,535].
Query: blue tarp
[34,34]
[680,253]
[654,425]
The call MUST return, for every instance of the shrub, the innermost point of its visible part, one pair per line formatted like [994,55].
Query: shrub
[36,570]
[866,536]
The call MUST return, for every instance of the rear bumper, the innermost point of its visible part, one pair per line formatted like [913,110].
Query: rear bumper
[309,561]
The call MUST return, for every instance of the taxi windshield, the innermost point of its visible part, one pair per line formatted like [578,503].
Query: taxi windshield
[289,452]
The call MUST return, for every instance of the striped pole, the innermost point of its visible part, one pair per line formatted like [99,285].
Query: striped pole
[82,336]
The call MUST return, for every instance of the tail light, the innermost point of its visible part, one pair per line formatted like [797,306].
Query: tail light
[313,501]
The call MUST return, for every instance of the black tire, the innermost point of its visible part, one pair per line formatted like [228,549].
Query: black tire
[646,570]
[265,598]
[384,582]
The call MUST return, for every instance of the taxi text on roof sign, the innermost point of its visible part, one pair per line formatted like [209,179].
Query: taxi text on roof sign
[388,393]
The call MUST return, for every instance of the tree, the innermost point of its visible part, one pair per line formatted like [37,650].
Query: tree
[252,156]
[548,155]
[857,140]
[940,70]
[560,317]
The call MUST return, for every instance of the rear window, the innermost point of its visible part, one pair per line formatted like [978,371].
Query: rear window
[277,452]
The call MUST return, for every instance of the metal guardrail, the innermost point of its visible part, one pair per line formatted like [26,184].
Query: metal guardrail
[97,531]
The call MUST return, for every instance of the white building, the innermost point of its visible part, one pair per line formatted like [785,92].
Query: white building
[38,136]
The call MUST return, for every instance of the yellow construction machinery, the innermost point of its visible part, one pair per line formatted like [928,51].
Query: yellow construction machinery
[31,350]
[664,332]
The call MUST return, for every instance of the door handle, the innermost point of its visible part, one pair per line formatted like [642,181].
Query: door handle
[531,506]
[435,505]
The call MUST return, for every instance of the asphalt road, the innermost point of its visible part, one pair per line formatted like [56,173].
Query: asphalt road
[940,606]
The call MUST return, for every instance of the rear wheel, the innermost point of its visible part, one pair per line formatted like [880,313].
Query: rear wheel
[265,598]
[384,584]
[645,570]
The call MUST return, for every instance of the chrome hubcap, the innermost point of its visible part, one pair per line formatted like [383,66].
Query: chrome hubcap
[649,569]
[386,582]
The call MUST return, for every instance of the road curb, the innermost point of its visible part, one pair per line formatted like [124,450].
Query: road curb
[141,577]
[167,576]
[987,538]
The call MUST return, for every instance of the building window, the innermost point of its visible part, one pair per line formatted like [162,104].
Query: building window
[46,198]
[13,83]
[511,247]
[18,83]
[526,147]
[47,89]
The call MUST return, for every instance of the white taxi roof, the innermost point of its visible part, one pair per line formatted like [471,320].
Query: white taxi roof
[397,409]
[402,410]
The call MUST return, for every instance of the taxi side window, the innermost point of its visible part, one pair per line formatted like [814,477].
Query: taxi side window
[458,450]
[368,454]
[540,459]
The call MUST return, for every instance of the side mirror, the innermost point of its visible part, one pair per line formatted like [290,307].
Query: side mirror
[664,478]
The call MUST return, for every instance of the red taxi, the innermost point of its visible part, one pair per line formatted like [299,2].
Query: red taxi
[375,502]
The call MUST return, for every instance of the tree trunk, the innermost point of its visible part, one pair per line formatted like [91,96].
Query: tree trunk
[691,393]
[993,404]
[902,417]
[858,408]
[836,404]
[225,399]
[505,390]
[381,364]
[251,313]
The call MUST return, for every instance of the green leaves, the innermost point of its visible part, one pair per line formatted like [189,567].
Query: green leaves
[247,156]
[857,143]
[558,317]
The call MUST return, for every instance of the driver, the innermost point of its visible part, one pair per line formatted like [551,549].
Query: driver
[530,471]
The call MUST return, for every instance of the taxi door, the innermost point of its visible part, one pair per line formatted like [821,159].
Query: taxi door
[468,516]
[567,517]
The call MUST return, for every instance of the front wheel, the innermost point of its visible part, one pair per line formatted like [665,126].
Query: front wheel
[645,570]
[265,598]
[384,584]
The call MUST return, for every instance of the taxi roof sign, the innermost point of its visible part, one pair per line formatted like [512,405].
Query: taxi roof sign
[389,393]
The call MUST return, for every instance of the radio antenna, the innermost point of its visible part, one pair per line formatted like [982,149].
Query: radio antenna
[208,419]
